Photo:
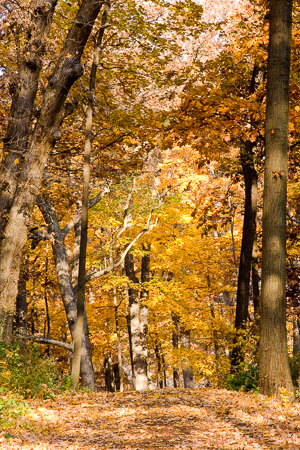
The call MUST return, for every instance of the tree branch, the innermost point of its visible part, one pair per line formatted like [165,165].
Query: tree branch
[46,341]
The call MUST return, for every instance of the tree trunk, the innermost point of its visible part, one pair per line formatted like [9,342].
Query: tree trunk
[25,89]
[66,290]
[53,111]
[78,332]
[160,381]
[187,371]
[175,341]
[119,349]
[139,352]
[296,335]
[128,319]
[21,304]
[144,298]
[249,231]
[255,280]
[274,372]
[108,374]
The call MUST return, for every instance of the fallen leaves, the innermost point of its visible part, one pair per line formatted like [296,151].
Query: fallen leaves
[204,418]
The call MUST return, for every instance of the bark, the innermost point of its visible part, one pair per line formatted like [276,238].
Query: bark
[25,89]
[78,332]
[53,111]
[175,341]
[248,254]
[21,304]
[108,374]
[187,371]
[138,339]
[47,341]
[144,298]
[274,372]
[255,280]
[119,349]
[296,335]
[160,381]
[214,333]
[249,232]
[128,319]
[47,321]
[66,289]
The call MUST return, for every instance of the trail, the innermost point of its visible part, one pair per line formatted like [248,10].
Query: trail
[182,419]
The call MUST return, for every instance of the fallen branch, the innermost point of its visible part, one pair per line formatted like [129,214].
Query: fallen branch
[47,341]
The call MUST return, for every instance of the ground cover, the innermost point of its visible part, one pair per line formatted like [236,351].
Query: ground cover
[203,418]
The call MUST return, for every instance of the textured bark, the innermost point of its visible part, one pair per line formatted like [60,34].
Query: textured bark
[24,88]
[274,370]
[66,289]
[138,327]
[53,111]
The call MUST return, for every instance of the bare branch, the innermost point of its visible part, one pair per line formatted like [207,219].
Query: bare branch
[92,203]
[46,341]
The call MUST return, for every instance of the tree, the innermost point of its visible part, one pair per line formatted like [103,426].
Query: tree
[79,327]
[249,233]
[274,370]
[18,198]
[138,320]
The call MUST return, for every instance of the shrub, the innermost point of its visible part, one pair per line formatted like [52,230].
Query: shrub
[25,371]
[244,379]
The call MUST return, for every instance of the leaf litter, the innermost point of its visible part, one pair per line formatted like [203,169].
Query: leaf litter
[170,418]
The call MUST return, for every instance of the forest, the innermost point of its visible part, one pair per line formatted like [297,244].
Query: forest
[149,210]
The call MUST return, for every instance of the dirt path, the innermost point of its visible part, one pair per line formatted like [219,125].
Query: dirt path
[182,419]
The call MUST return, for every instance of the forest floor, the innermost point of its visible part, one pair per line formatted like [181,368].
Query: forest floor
[162,419]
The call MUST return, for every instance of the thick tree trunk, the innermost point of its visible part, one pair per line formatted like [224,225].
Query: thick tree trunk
[139,349]
[53,111]
[66,289]
[24,88]
[274,370]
